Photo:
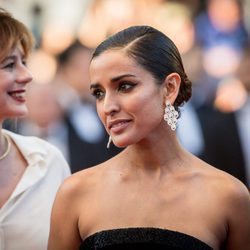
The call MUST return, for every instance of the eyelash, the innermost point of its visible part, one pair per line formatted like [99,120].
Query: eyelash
[10,65]
[98,93]
[122,84]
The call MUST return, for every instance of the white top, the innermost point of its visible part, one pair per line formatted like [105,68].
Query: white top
[25,217]
[243,123]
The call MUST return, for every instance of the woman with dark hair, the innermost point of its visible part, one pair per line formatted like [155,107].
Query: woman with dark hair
[154,194]
[31,169]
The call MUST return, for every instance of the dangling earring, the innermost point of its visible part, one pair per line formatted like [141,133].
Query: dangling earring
[171,115]
[109,141]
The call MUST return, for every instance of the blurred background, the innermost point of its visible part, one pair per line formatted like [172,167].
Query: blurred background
[212,37]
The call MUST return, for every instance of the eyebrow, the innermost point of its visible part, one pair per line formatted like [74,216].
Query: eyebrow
[12,57]
[115,79]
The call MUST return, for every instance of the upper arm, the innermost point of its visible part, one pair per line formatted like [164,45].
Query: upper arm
[239,220]
[64,232]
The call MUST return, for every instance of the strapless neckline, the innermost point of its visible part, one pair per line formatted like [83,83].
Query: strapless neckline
[142,238]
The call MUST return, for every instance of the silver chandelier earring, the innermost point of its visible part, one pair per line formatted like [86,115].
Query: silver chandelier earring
[171,115]
[109,142]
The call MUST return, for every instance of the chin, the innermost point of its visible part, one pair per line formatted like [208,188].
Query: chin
[119,145]
[122,144]
[19,113]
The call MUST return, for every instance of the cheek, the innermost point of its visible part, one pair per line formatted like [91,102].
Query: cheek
[147,107]
[100,113]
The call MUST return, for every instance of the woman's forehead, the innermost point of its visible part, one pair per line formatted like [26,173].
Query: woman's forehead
[112,60]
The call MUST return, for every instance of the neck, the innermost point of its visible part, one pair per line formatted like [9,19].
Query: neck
[163,152]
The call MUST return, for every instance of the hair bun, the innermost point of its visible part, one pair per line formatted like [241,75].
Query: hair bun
[185,91]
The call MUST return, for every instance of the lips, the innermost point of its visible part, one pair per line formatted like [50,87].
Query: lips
[118,126]
[18,95]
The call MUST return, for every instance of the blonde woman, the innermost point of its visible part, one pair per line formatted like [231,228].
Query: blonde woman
[31,170]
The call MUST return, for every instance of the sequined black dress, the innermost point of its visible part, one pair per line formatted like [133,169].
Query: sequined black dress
[142,239]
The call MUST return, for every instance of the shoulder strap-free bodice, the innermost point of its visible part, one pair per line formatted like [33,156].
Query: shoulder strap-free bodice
[142,239]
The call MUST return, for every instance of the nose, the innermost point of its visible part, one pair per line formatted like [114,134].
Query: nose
[24,75]
[110,104]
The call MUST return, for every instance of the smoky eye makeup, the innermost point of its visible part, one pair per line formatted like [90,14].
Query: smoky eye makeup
[125,86]
[118,84]
[98,93]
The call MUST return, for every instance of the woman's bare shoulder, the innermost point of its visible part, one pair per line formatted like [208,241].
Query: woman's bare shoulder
[228,200]
[221,181]
[82,182]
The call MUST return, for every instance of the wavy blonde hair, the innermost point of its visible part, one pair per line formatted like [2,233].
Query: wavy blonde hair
[13,33]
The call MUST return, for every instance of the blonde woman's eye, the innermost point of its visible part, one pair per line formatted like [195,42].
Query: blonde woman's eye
[9,65]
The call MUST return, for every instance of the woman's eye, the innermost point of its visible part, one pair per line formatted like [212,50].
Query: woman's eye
[98,94]
[9,65]
[125,86]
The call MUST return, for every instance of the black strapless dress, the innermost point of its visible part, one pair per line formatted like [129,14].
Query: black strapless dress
[142,239]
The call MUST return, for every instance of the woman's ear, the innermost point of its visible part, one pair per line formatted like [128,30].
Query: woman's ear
[171,87]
